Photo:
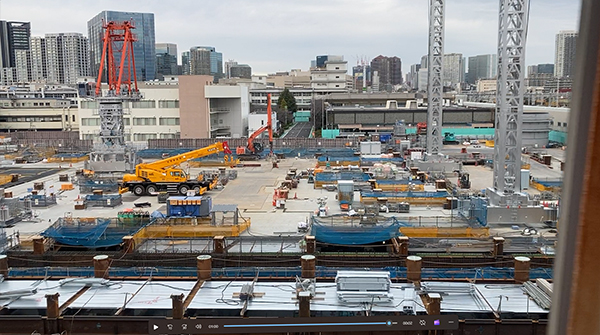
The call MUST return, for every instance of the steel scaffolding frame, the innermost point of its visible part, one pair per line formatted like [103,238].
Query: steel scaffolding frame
[512,36]
[435,73]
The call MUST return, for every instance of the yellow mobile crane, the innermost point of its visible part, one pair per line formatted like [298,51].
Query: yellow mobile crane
[165,174]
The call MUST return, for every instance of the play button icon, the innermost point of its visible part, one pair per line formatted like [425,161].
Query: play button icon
[154,327]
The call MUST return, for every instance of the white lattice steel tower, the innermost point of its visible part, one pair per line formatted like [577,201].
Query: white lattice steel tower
[512,35]
[435,73]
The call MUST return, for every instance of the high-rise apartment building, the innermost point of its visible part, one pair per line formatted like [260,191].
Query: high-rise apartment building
[414,76]
[14,51]
[482,67]
[424,60]
[564,57]
[185,62]
[166,59]
[67,57]
[39,64]
[390,71]
[206,61]
[143,49]
[454,70]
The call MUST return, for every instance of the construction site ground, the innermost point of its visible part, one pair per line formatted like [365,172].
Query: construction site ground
[252,192]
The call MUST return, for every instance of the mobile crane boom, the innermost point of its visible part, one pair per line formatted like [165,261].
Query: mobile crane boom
[165,174]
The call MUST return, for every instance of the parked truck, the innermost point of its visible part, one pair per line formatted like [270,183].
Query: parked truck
[166,175]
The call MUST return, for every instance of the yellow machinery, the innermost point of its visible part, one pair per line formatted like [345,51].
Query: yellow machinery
[165,174]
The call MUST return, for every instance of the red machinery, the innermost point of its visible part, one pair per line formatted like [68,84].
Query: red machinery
[255,148]
[422,128]
[118,38]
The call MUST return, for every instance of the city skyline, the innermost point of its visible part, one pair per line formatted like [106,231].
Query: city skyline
[471,28]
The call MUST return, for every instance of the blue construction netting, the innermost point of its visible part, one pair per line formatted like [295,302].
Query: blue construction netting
[355,234]
[548,182]
[82,234]
[399,182]
[474,210]
[342,175]
[250,272]
[409,194]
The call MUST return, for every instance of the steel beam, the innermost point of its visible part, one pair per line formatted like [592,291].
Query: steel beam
[435,86]
[512,36]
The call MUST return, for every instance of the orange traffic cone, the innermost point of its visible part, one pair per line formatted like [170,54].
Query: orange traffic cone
[295,195]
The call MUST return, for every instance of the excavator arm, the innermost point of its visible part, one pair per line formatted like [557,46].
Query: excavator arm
[268,126]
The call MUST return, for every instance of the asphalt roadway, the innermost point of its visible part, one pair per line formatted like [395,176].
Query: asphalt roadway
[300,129]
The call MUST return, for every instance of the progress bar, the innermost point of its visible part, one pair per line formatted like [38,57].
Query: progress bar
[261,325]
[310,324]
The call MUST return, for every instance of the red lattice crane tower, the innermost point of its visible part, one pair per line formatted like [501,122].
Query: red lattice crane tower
[118,39]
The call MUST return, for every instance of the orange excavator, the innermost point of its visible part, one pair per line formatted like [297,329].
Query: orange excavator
[253,149]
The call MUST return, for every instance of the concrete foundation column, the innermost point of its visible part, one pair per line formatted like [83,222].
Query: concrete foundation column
[413,268]
[128,244]
[311,244]
[178,311]
[522,265]
[304,300]
[38,245]
[204,267]
[52,309]
[219,244]
[403,242]
[308,266]
[101,265]
[4,266]
[498,246]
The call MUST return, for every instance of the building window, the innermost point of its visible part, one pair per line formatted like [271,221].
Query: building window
[90,121]
[169,135]
[144,121]
[143,137]
[564,124]
[168,104]
[143,104]
[169,121]
[558,123]
[126,121]
[89,105]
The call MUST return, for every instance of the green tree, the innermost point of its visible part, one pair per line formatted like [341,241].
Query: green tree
[287,101]
[286,104]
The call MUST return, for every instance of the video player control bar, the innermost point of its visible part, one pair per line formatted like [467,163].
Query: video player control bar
[340,324]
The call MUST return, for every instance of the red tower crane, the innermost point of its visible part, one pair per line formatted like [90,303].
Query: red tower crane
[118,39]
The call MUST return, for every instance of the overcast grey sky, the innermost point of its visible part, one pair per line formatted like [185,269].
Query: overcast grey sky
[276,35]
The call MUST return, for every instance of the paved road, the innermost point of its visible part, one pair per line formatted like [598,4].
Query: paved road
[300,129]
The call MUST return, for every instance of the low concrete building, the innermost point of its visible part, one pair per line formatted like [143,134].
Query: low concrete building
[487,85]
[229,107]
[38,107]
